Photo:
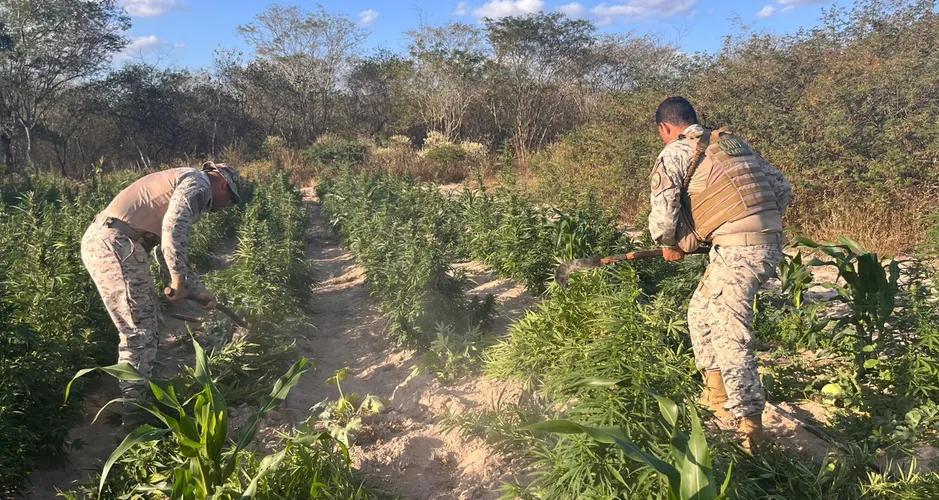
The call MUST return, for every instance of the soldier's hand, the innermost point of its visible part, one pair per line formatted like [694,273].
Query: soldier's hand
[176,292]
[672,254]
[208,301]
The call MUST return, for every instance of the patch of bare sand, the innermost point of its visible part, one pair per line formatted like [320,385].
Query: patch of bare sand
[402,450]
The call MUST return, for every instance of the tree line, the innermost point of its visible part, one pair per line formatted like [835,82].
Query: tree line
[525,80]
[846,109]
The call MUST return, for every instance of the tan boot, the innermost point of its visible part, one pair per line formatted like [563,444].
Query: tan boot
[750,431]
[715,395]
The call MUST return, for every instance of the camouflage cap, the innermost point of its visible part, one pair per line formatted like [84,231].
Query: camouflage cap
[231,176]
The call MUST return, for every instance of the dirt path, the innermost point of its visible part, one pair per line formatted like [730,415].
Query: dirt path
[403,450]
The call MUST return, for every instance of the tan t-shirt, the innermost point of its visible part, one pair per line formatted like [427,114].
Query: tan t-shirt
[167,204]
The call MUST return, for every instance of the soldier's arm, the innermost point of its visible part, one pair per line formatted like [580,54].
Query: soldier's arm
[185,208]
[665,181]
[780,185]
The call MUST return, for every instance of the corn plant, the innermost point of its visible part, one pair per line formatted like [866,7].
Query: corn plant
[199,426]
[343,418]
[687,472]
[870,291]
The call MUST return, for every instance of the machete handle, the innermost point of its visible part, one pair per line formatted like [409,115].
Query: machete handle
[643,254]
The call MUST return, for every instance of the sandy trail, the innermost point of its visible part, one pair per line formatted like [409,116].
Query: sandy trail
[402,451]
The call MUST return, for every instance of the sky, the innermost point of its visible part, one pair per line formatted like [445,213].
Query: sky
[186,33]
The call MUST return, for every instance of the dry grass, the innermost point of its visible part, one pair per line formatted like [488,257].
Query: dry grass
[883,228]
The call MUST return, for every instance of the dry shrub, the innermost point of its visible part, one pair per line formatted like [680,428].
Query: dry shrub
[257,171]
[439,160]
[397,156]
[282,157]
[887,227]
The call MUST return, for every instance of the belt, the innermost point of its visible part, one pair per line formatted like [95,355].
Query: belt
[748,239]
[148,240]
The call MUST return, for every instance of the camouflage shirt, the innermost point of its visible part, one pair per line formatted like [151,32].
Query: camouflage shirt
[668,174]
[191,198]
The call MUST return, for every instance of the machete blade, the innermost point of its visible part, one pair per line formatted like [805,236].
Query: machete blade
[563,273]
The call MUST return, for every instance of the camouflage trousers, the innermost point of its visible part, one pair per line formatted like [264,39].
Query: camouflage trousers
[120,268]
[719,319]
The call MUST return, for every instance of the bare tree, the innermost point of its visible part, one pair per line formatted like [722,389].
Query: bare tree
[309,49]
[52,44]
[449,63]
[539,66]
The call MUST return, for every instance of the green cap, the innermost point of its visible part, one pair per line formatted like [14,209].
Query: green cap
[231,176]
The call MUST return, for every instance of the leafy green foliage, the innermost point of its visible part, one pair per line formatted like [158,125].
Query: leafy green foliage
[335,153]
[405,235]
[200,431]
[870,291]
[687,474]
[51,318]
[520,240]
[196,463]
[342,418]
[270,277]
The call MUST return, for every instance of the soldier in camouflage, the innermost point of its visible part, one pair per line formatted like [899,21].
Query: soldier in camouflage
[157,210]
[710,187]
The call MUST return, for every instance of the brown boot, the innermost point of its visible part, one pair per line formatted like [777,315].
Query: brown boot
[715,395]
[750,431]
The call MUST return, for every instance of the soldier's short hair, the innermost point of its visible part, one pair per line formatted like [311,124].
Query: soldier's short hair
[676,111]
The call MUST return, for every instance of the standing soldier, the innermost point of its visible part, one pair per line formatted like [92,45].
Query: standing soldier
[158,209]
[709,186]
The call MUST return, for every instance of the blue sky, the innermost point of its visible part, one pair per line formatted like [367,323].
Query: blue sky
[187,32]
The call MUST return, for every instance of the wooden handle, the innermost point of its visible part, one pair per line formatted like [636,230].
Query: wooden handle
[643,254]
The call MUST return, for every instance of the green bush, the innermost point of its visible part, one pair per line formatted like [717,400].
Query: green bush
[52,320]
[406,236]
[445,163]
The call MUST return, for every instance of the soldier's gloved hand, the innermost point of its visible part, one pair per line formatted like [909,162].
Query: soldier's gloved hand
[672,254]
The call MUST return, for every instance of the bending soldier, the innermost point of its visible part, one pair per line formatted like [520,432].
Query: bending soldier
[158,209]
[709,186]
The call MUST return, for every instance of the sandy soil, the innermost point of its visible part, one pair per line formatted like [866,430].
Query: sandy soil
[402,450]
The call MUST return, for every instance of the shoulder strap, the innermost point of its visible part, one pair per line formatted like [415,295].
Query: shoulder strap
[703,143]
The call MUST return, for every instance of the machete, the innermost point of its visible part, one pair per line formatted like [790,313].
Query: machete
[564,271]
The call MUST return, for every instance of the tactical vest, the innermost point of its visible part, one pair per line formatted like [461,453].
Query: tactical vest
[143,204]
[725,183]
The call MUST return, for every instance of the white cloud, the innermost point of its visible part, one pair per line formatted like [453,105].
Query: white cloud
[496,9]
[637,9]
[462,9]
[150,8]
[144,43]
[572,9]
[145,48]
[788,8]
[767,11]
[367,17]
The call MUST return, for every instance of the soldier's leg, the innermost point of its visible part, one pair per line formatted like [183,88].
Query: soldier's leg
[742,270]
[699,327]
[120,269]
[700,310]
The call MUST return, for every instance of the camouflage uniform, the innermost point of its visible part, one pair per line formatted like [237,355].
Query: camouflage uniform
[120,268]
[721,310]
